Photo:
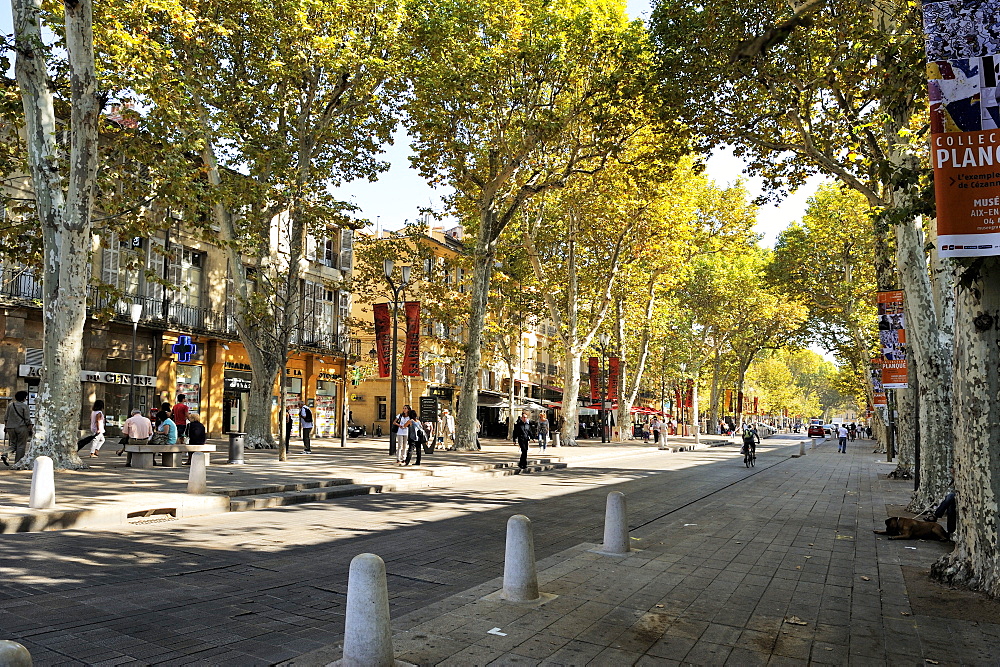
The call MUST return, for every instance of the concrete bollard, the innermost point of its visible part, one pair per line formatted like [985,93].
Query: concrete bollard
[13,654]
[520,578]
[43,485]
[367,633]
[616,540]
[802,448]
[557,439]
[197,477]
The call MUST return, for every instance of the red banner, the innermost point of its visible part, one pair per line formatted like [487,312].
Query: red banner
[411,352]
[739,402]
[614,375]
[755,405]
[689,394]
[383,323]
[594,370]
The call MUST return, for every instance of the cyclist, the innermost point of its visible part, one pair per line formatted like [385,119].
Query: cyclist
[750,440]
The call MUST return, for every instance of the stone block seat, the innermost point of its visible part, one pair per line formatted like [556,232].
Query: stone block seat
[142,455]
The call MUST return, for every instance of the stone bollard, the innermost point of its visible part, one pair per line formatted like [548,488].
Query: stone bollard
[43,485]
[802,448]
[556,439]
[13,654]
[197,477]
[520,578]
[367,634]
[616,540]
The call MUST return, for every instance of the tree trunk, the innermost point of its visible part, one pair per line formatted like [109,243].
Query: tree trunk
[64,209]
[975,561]
[485,253]
[932,363]
[266,366]
[714,407]
[571,394]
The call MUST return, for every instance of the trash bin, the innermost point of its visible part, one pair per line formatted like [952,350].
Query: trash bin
[555,439]
[236,447]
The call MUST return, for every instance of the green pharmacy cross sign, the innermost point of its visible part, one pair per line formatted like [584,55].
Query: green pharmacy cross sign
[184,348]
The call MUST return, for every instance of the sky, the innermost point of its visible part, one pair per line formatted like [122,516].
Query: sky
[400,192]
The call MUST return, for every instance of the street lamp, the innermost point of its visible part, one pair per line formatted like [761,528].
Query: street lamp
[682,405]
[387,266]
[135,314]
[603,338]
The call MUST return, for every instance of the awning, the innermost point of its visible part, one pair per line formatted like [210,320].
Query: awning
[490,399]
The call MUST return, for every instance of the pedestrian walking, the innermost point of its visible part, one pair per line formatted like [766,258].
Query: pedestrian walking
[179,413]
[522,434]
[657,427]
[841,438]
[446,430]
[18,425]
[306,424]
[415,437]
[852,432]
[543,431]
[479,427]
[97,427]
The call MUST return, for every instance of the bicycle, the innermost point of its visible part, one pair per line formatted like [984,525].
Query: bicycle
[750,457]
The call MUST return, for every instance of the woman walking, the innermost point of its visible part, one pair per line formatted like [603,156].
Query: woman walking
[416,437]
[97,427]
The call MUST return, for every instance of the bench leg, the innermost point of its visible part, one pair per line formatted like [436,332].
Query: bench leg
[142,460]
[169,459]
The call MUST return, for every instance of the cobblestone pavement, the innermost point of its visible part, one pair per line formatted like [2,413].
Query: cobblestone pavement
[729,556]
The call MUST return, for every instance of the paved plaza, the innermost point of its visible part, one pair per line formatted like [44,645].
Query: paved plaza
[776,564]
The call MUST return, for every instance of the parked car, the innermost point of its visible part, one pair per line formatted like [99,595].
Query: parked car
[816,430]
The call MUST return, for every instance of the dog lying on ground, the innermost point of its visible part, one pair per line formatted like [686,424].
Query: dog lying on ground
[900,528]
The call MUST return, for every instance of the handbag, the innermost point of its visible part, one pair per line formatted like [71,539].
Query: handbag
[158,439]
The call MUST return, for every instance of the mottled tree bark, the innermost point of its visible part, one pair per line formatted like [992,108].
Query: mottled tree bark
[975,562]
[64,197]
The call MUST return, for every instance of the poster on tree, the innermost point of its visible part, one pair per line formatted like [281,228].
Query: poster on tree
[892,339]
[962,42]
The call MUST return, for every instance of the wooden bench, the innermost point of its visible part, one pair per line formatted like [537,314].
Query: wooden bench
[142,455]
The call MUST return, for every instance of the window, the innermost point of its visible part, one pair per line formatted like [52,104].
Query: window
[183,272]
[382,410]
[324,251]
[317,314]
[119,264]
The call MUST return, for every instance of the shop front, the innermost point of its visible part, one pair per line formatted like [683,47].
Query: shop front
[325,408]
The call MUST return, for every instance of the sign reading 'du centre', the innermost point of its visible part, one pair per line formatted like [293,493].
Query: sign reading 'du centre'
[26,371]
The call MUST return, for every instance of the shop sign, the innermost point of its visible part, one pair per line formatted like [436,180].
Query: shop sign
[444,393]
[184,348]
[293,372]
[328,377]
[428,409]
[238,384]
[358,398]
[25,370]
[236,366]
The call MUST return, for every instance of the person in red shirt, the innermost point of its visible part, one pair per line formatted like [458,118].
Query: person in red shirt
[179,413]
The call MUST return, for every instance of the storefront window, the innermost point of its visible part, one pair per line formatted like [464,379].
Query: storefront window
[189,384]
[293,396]
[326,409]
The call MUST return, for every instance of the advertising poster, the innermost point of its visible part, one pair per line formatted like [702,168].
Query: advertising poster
[962,41]
[411,350]
[383,323]
[594,371]
[892,339]
[879,398]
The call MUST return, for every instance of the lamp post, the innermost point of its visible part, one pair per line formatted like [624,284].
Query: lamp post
[603,338]
[682,405]
[387,266]
[345,343]
[135,314]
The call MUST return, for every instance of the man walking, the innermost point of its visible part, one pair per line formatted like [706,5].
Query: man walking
[306,424]
[522,435]
[179,413]
[446,430]
[657,426]
[18,425]
[841,439]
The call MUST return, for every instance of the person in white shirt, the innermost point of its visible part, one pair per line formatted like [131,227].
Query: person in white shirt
[842,439]
[446,430]
[657,426]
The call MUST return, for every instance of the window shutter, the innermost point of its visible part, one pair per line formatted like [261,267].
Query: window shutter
[346,249]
